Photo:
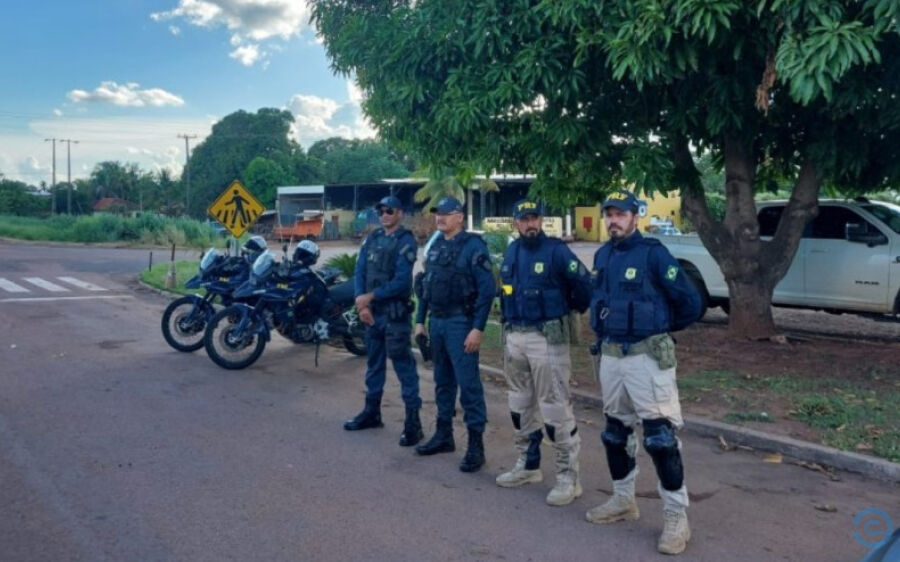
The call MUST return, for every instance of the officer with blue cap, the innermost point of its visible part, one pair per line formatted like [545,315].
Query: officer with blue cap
[456,293]
[383,285]
[639,294]
[542,281]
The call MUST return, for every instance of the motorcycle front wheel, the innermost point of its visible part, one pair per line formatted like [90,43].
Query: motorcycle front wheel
[184,323]
[228,345]
[355,341]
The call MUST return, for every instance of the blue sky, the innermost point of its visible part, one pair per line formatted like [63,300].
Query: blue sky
[125,77]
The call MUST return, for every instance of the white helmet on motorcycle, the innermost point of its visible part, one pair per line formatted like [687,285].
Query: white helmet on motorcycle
[253,247]
[306,253]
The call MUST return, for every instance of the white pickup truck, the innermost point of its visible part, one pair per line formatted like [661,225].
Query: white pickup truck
[848,259]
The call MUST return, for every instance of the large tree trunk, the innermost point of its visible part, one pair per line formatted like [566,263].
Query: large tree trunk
[751,266]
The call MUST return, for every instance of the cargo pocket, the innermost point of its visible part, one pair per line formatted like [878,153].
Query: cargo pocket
[665,393]
[398,340]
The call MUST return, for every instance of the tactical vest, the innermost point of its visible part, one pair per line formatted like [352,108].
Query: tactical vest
[629,307]
[381,256]
[537,296]
[448,285]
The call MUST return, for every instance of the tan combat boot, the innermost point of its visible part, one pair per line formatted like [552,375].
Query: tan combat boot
[620,507]
[519,476]
[676,532]
[567,488]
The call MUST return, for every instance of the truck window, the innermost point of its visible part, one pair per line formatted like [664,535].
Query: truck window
[831,222]
[768,220]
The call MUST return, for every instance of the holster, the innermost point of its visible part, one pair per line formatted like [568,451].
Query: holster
[424,347]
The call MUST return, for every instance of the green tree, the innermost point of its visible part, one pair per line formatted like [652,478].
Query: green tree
[18,198]
[354,160]
[590,95]
[227,152]
[263,176]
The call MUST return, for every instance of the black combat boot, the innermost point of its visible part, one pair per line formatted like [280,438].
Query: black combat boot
[412,428]
[440,442]
[474,458]
[368,418]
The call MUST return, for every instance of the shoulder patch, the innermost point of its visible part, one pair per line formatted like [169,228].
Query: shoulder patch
[672,272]
[573,266]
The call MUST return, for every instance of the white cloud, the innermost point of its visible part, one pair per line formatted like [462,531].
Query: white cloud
[126,95]
[317,118]
[174,30]
[152,143]
[247,55]
[251,22]
[58,112]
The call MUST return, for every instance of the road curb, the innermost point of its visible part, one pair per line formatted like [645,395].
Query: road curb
[872,467]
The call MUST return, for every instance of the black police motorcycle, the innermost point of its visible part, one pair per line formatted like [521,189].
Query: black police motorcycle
[185,319]
[294,300]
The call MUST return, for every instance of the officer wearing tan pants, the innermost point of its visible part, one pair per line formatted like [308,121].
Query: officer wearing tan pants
[640,294]
[541,281]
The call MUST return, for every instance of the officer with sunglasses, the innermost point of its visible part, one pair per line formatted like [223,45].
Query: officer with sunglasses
[383,285]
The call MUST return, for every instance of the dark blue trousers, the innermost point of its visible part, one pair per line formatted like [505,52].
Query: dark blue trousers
[455,369]
[391,339]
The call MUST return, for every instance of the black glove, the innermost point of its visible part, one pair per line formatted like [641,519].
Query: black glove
[595,348]
[424,347]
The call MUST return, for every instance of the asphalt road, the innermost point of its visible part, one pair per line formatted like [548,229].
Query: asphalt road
[115,447]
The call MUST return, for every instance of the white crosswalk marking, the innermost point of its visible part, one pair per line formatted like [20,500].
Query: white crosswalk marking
[8,285]
[46,285]
[81,284]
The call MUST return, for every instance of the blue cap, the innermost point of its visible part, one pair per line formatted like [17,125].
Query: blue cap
[525,207]
[447,205]
[390,202]
[624,200]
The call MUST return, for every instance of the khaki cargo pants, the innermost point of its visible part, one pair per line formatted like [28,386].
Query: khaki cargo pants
[537,373]
[635,388]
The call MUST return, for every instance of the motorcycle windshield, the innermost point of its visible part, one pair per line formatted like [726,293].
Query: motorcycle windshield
[209,258]
[263,264]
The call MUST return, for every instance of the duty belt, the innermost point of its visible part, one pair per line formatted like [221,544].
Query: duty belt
[522,328]
[622,349]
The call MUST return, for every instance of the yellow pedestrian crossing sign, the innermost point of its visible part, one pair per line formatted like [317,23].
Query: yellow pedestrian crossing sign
[236,209]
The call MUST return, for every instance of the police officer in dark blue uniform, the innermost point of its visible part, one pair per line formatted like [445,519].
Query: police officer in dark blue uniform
[640,293]
[457,290]
[383,285]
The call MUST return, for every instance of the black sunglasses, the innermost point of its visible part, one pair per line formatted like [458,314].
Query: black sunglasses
[385,211]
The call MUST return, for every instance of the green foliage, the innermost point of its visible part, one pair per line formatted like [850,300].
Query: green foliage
[145,228]
[591,94]
[350,161]
[17,199]
[235,141]
[345,263]
[263,176]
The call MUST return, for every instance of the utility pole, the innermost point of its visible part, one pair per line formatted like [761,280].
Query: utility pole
[53,185]
[187,172]
[69,167]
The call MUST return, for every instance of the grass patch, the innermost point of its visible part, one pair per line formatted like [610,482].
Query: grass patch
[184,270]
[101,228]
[861,416]
[738,417]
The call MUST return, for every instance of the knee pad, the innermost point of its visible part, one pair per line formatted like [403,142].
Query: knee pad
[662,446]
[551,432]
[516,419]
[615,440]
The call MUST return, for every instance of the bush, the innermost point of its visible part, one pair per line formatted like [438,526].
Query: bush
[345,263]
